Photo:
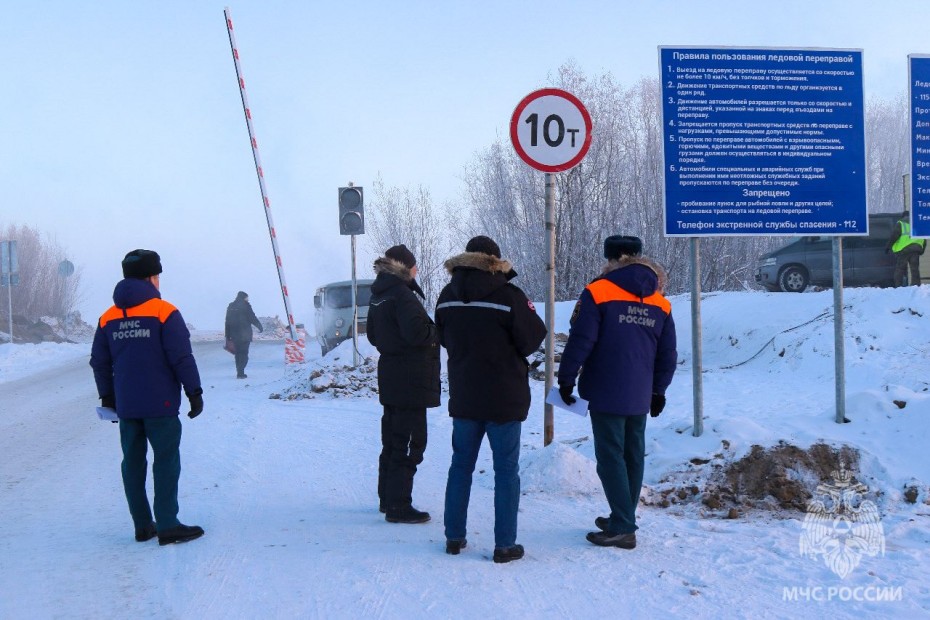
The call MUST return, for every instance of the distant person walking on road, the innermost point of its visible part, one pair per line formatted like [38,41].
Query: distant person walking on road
[624,338]
[907,251]
[489,327]
[141,357]
[408,379]
[239,321]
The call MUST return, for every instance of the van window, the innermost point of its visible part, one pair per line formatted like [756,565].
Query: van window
[341,297]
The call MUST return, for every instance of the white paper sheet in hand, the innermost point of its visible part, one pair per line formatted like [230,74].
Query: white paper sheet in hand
[105,413]
[555,399]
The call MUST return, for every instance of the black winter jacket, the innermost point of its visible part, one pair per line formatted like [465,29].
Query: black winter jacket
[488,327]
[406,338]
[239,320]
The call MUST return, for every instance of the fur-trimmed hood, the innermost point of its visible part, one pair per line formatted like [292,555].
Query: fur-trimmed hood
[389,272]
[475,275]
[392,267]
[479,260]
[645,261]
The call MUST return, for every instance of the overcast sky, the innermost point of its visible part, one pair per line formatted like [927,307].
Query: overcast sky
[123,126]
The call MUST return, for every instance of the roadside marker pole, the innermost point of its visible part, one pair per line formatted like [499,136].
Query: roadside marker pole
[295,344]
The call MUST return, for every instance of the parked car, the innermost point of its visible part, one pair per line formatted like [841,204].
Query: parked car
[808,261]
[333,311]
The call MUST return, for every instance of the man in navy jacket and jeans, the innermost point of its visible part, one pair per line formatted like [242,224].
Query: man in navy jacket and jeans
[624,337]
[141,357]
[488,327]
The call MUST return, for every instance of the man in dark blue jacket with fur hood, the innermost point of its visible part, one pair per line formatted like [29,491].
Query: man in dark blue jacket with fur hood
[141,357]
[623,336]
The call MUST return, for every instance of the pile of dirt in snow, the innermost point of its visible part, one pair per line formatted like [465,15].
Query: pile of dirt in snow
[780,479]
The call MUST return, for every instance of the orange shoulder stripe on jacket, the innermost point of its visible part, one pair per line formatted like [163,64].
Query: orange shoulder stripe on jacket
[158,308]
[605,290]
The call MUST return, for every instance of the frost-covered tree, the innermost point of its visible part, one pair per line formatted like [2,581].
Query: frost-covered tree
[404,215]
[42,290]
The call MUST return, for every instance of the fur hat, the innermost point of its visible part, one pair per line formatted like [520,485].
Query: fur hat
[241,295]
[616,246]
[483,244]
[401,254]
[141,264]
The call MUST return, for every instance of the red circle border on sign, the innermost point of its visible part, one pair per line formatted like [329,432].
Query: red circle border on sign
[533,96]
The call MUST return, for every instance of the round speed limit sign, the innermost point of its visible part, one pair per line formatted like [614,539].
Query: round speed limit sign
[551,130]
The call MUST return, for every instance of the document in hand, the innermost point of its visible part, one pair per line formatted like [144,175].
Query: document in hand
[555,399]
[105,413]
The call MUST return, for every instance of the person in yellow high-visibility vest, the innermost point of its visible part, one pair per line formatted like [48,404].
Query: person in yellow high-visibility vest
[907,251]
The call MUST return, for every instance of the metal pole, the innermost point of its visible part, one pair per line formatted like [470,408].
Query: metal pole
[354,309]
[548,421]
[696,353]
[839,345]
[261,175]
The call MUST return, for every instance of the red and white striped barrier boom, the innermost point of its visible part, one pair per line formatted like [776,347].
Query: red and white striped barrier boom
[295,344]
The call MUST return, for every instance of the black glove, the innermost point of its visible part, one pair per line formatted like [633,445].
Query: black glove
[196,398]
[657,405]
[108,401]
[565,391]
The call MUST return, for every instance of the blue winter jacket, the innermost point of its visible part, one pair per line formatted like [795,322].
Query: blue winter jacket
[624,336]
[142,353]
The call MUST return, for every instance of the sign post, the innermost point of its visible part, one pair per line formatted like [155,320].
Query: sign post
[551,131]
[9,275]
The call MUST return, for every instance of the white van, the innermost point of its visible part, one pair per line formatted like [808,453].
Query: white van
[333,311]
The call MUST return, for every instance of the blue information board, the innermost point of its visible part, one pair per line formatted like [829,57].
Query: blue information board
[919,80]
[763,141]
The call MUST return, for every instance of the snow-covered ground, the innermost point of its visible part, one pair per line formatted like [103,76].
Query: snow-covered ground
[285,488]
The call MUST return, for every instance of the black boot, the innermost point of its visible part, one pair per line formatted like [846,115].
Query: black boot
[454,547]
[508,554]
[180,534]
[406,514]
[605,539]
[145,533]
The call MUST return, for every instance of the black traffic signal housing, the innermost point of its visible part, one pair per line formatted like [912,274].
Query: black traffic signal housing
[351,211]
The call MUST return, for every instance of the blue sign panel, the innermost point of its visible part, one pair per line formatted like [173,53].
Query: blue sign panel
[919,78]
[763,142]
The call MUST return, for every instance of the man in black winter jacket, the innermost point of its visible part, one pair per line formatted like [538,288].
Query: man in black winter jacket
[408,379]
[239,321]
[489,327]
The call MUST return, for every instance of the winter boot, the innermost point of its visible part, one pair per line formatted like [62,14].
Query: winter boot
[508,554]
[145,533]
[454,547]
[180,534]
[406,514]
[606,539]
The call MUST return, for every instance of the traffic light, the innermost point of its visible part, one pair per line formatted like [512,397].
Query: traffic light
[351,211]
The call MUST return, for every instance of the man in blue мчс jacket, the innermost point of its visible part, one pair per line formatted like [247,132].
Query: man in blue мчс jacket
[141,357]
[623,335]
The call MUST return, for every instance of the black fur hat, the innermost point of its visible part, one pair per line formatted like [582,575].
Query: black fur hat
[141,264]
[616,246]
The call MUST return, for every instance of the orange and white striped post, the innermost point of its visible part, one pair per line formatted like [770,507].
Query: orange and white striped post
[293,345]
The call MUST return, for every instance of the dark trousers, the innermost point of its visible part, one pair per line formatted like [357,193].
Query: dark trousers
[620,450]
[165,436]
[902,260]
[403,442]
[242,355]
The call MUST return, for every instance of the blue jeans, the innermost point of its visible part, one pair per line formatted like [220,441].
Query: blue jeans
[505,446]
[620,450]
